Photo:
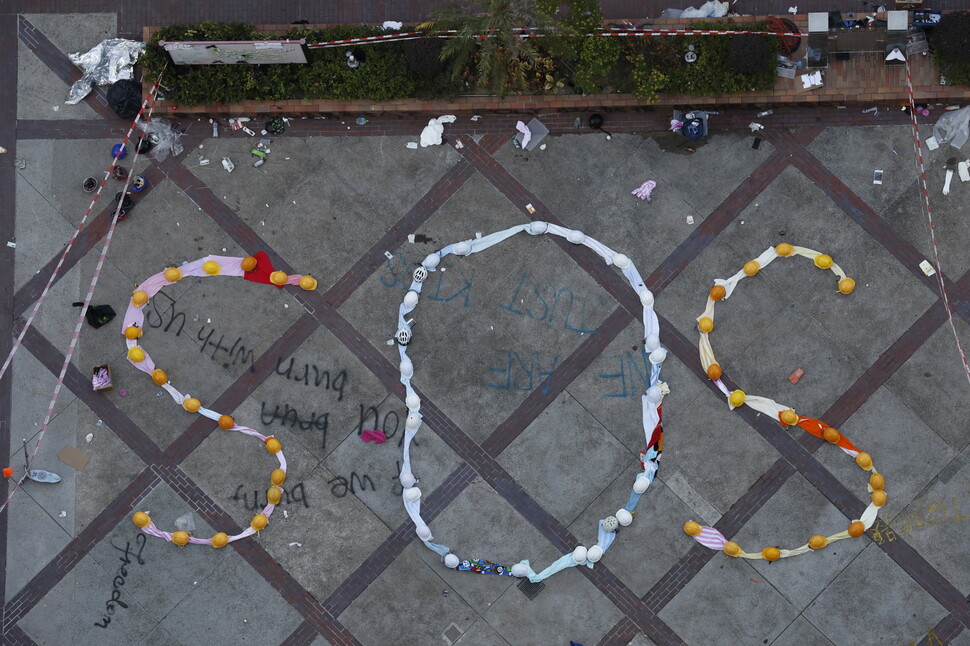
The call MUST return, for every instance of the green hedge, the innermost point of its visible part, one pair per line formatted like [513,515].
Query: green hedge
[950,42]
[571,62]
[383,75]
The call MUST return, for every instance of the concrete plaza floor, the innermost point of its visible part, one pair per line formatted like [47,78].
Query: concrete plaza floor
[531,360]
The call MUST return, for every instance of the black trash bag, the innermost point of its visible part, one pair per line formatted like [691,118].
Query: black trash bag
[98,315]
[124,97]
[275,126]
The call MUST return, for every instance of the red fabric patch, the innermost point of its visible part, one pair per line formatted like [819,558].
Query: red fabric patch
[263,269]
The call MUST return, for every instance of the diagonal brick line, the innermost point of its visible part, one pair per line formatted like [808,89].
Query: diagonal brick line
[258,558]
[499,479]
[619,635]
[553,385]
[810,468]
[911,561]
[420,213]
[61,65]
[304,635]
[8,221]
[372,567]
[15,636]
[80,385]
[89,237]
[70,129]
[284,346]
[427,206]
[853,206]
[52,573]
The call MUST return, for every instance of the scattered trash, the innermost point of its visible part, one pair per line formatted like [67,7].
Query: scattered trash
[432,133]
[164,138]
[542,147]
[952,127]
[97,315]
[101,378]
[285,515]
[756,144]
[3,151]
[389,255]
[476,117]
[877,177]
[793,10]
[645,190]
[63,514]
[377,436]
[795,376]
[237,123]
[530,208]
[413,145]
[20,163]
[122,393]
[411,238]
[89,437]
[361,121]
[295,544]
[595,122]
[56,108]
[927,268]
[109,61]
[275,126]
[895,152]
[215,127]
[459,145]
[932,143]
[392,24]
[11,244]
[185,522]
[690,219]
[765,113]
[578,123]
[872,110]
[100,423]
[203,161]
[964,171]
[227,164]
[755,126]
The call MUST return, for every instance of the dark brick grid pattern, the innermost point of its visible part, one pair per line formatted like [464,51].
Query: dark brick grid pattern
[640,614]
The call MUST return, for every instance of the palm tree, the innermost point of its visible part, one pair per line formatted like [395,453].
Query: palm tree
[485,36]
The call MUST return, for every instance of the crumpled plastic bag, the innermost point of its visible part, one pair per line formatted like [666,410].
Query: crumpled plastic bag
[709,9]
[953,127]
[431,135]
[164,138]
[109,61]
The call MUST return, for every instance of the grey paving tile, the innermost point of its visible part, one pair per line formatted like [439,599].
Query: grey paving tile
[583,613]
[792,209]
[400,618]
[480,524]
[795,513]
[871,429]
[371,472]
[647,549]
[569,441]
[875,618]
[934,522]
[932,382]
[737,610]
[240,612]
[80,609]
[801,633]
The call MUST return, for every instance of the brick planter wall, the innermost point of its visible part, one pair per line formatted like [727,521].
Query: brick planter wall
[861,79]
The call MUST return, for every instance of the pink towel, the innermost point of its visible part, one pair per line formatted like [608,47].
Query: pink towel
[377,436]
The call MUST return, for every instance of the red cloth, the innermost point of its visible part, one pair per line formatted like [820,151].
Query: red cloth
[263,269]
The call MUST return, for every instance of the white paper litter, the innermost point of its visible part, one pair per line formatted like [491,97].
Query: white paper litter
[431,135]
[89,437]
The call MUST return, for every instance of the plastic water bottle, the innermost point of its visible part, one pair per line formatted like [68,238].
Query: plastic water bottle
[765,113]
